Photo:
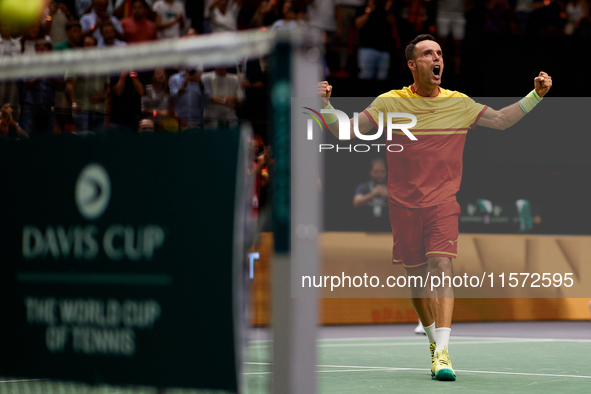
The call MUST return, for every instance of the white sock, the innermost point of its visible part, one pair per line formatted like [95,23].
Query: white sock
[442,338]
[430,331]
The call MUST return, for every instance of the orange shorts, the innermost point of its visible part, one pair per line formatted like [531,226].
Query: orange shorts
[420,233]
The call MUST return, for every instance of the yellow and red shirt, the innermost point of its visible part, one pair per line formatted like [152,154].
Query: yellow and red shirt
[426,172]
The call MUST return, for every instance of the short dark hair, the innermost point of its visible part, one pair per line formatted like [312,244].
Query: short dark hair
[378,160]
[93,38]
[45,43]
[141,1]
[107,24]
[410,48]
[72,23]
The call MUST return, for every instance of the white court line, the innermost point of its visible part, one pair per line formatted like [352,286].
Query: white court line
[367,369]
[422,343]
[415,337]
[406,338]
[526,339]
[422,339]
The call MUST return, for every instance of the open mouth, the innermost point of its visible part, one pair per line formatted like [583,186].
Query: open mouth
[436,70]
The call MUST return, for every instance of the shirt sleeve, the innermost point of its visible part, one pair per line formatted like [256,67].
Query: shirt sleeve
[175,84]
[206,80]
[117,24]
[473,111]
[86,22]
[239,90]
[373,111]
[146,101]
[362,189]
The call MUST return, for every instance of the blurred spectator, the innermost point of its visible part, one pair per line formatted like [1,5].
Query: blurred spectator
[497,17]
[155,102]
[321,17]
[346,35]
[92,22]
[9,128]
[206,17]
[55,17]
[126,101]
[247,10]
[373,193]
[73,35]
[413,19]
[170,18]
[85,7]
[260,172]
[290,12]
[254,82]
[38,116]
[88,97]
[138,28]
[450,20]
[189,97]
[9,46]
[30,38]
[9,89]
[146,126]
[547,18]
[375,24]
[63,108]
[371,199]
[576,11]
[123,9]
[109,33]
[191,33]
[523,10]
[584,30]
[223,15]
[226,95]
[264,14]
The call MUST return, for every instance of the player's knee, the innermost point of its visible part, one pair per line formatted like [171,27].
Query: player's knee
[440,265]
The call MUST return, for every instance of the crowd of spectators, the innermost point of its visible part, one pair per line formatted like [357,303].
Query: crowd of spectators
[363,39]
[130,101]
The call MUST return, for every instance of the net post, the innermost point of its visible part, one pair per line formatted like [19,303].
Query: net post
[296,220]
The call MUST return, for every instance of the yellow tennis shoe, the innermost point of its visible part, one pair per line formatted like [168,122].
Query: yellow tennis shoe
[432,347]
[441,368]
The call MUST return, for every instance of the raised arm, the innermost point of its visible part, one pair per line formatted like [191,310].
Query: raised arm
[365,125]
[508,116]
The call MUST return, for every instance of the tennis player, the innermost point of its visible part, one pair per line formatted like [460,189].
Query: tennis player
[424,178]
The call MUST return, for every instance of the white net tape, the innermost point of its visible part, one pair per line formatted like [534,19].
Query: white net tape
[208,50]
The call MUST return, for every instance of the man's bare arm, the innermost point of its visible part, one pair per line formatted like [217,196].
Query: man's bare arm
[508,116]
[363,199]
[365,125]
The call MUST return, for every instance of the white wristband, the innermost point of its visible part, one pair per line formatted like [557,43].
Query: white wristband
[530,101]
